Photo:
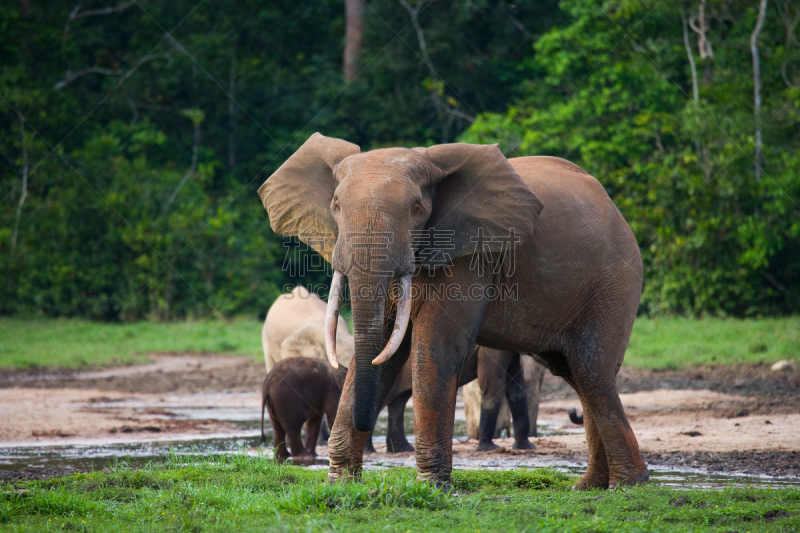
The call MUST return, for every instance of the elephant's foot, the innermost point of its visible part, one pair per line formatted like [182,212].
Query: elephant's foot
[627,481]
[591,481]
[440,481]
[304,459]
[369,447]
[523,444]
[398,446]
[343,475]
[486,446]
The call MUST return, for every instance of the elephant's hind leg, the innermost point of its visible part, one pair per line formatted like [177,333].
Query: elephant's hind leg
[278,435]
[597,474]
[593,375]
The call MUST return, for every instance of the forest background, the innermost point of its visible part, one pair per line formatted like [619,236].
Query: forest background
[134,134]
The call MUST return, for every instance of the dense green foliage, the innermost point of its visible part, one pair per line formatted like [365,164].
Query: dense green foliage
[658,343]
[237,492]
[142,172]
[145,130]
[614,94]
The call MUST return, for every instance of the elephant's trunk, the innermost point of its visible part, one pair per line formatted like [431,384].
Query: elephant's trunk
[368,300]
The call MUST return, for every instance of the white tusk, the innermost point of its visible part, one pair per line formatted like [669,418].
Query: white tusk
[332,317]
[400,321]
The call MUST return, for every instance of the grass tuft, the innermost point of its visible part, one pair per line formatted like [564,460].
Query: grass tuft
[536,479]
[376,491]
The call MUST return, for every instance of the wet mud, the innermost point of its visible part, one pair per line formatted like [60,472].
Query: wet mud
[729,420]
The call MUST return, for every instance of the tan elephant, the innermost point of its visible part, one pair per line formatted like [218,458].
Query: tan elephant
[533,375]
[295,327]
[454,245]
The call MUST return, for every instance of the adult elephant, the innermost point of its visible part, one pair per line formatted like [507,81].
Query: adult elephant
[295,327]
[474,222]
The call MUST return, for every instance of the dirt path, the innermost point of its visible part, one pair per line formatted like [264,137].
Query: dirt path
[726,419]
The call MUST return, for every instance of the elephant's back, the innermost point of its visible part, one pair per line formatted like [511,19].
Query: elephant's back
[289,313]
[577,209]
[584,258]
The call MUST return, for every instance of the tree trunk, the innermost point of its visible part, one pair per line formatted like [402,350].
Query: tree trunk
[354,16]
[232,115]
[762,9]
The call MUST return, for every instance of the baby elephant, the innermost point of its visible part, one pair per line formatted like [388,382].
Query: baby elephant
[297,390]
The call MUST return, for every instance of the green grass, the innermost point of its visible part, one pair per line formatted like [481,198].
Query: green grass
[672,343]
[241,493]
[76,343]
[655,343]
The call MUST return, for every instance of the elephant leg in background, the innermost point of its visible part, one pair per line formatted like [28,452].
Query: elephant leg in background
[492,376]
[369,447]
[533,372]
[518,403]
[312,434]
[324,431]
[396,440]
[278,436]
[346,443]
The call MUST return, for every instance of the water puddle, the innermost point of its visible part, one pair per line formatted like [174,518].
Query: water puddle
[97,454]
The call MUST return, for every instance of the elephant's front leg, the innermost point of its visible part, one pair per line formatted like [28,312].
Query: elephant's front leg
[346,443]
[440,347]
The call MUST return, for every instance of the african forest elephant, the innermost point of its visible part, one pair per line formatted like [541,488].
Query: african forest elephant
[295,327]
[453,245]
[508,383]
[297,391]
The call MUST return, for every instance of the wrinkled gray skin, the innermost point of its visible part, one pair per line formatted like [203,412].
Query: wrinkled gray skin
[300,391]
[573,283]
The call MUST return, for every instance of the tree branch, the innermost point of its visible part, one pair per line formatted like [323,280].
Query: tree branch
[762,9]
[24,194]
[423,47]
[72,76]
[76,13]
[699,25]
[690,55]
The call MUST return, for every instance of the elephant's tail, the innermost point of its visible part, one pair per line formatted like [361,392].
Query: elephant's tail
[264,400]
[573,416]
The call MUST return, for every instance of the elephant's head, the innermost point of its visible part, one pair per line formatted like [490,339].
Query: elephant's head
[373,214]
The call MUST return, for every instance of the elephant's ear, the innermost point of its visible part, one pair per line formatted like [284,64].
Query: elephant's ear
[298,195]
[481,203]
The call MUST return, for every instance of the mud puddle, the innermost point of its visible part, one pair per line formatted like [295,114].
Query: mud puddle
[708,427]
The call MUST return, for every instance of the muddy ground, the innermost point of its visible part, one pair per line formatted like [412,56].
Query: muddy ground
[721,419]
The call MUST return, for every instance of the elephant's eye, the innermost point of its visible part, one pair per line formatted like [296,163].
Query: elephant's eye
[336,205]
[416,210]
